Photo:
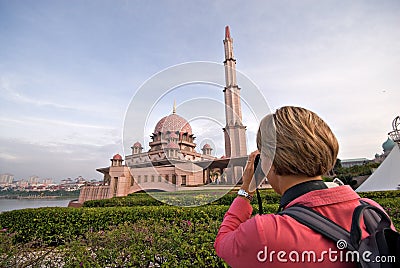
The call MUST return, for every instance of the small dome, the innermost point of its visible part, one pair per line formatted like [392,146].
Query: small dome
[117,157]
[137,145]
[388,145]
[173,123]
[207,146]
[172,145]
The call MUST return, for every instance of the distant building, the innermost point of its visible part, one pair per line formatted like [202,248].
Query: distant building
[33,180]
[387,147]
[22,184]
[66,181]
[47,181]
[72,184]
[346,163]
[387,175]
[80,180]
[6,178]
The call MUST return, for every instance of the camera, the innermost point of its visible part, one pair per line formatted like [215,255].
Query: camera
[259,175]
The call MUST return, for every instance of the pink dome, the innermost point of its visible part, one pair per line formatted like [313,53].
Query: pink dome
[207,146]
[137,145]
[172,145]
[117,157]
[173,135]
[173,122]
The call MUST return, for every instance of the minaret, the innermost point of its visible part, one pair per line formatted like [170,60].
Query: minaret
[235,131]
[174,107]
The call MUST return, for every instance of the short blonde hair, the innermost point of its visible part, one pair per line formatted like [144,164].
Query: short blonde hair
[298,141]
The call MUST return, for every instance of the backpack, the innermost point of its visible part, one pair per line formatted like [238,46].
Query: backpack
[380,249]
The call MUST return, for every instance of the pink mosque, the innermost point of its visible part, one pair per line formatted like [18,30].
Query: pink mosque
[172,162]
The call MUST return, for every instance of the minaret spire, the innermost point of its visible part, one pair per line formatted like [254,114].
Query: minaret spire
[227,33]
[235,131]
[230,62]
[174,107]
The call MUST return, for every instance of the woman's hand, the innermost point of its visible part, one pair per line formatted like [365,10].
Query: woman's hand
[248,184]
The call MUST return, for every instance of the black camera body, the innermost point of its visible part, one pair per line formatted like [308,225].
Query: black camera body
[259,175]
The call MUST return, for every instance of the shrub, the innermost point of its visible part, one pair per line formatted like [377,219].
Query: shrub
[143,232]
[380,194]
[139,199]
[55,226]
[183,198]
[145,243]
[58,225]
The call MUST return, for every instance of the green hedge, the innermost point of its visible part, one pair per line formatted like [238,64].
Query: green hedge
[183,198]
[56,226]
[135,235]
[145,243]
[139,199]
[191,198]
[113,237]
[380,194]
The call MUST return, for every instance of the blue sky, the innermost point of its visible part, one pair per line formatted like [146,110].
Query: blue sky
[69,69]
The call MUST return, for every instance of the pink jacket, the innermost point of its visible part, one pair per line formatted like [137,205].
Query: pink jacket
[280,241]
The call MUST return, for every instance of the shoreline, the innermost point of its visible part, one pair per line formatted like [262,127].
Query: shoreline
[10,204]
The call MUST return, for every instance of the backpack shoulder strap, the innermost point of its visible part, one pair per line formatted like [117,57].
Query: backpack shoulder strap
[319,224]
[356,232]
[371,218]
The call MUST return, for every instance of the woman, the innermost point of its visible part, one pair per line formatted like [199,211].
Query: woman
[296,148]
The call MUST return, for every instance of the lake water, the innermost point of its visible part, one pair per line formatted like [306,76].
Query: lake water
[13,204]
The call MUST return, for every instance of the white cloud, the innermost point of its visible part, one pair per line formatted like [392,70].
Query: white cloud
[56,160]
[7,156]
[45,132]
[13,95]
